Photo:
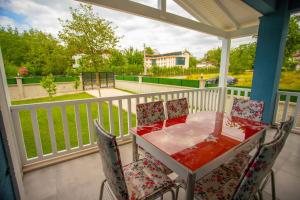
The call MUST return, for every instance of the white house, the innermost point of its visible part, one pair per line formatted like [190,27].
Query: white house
[179,58]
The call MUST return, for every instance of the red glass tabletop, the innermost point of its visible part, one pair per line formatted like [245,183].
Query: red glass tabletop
[197,139]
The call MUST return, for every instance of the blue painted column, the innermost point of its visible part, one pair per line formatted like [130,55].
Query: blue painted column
[271,39]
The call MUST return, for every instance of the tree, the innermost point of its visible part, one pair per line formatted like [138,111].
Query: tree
[117,58]
[242,58]
[39,52]
[213,56]
[90,35]
[134,56]
[193,61]
[149,51]
[292,43]
[49,85]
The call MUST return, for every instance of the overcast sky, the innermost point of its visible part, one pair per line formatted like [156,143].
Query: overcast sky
[43,15]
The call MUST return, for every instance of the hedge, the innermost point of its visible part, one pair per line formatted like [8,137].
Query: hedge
[127,78]
[168,81]
[11,81]
[150,80]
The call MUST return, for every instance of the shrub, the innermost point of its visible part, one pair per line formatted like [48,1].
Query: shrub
[23,71]
[49,85]
[76,84]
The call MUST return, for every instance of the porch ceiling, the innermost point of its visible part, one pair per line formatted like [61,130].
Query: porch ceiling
[222,18]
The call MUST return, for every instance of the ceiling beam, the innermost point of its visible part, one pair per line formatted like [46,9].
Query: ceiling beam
[193,11]
[157,14]
[243,32]
[227,13]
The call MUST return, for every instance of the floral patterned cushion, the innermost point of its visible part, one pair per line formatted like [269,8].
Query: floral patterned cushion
[161,166]
[177,108]
[149,113]
[260,167]
[111,163]
[238,164]
[248,109]
[143,178]
[217,185]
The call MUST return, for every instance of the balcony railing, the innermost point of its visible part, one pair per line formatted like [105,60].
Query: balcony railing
[122,106]
[117,114]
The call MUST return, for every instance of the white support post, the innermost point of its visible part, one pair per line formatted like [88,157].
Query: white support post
[162,5]
[9,138]
[224,64]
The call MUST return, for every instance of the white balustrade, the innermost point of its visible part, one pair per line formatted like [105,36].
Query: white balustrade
[108,110]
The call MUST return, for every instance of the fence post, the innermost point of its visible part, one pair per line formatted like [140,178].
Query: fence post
[202,82]
[20,87]
[80,80]
[140,79]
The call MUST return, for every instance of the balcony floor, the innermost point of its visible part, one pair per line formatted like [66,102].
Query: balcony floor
[80,178]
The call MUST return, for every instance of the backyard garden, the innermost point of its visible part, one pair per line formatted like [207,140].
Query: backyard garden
[27,128]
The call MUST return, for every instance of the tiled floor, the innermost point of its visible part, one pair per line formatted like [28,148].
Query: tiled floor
[80,178]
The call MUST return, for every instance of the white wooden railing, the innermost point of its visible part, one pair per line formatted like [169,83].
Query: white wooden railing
[287,104]
[199,100]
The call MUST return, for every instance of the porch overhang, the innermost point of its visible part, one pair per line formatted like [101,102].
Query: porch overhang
[218,18]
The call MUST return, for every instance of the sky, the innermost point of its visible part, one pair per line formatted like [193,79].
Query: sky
[135,31]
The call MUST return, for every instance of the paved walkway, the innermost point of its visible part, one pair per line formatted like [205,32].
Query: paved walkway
[112,92]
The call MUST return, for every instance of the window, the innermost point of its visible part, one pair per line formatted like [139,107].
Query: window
[154,62]
[180,61]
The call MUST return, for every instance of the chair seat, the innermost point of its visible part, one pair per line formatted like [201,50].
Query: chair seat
[143,178]
[159,164]
[218,184]
[239,163]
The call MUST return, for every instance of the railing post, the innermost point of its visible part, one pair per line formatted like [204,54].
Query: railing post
[20,87]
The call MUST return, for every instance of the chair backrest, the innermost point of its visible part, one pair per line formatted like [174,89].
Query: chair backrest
[248,109]
[111,162]
[177,108]
[262,163]
[149,113]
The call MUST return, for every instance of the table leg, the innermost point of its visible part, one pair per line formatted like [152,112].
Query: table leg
[134,149]
[190,186]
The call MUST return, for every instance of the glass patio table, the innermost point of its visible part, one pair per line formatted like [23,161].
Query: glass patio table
[195,144]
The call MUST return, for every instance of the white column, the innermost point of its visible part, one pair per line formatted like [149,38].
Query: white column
[9,138]
[224,64]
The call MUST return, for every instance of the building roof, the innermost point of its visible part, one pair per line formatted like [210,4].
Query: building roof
[176,53]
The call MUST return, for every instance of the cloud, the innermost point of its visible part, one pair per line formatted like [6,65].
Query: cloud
[6,21]
[43,15]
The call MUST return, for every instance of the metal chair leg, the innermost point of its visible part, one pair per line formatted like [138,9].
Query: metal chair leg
[273,185]
[260,195]
[102,189]
[177,192]
[173,195]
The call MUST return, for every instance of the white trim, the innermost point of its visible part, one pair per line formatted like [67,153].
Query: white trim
[227,13]
[9,138]
[224,64]
[157,14]
[192,11]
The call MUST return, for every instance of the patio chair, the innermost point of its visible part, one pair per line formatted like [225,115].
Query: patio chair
[177,108]
[225,184]
[138,180]
[247,109]
[147,114]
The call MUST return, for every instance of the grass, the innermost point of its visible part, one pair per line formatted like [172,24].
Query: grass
[288,80]
[26,122]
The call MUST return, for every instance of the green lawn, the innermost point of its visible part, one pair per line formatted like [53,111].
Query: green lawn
[58,126]
[288,80]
